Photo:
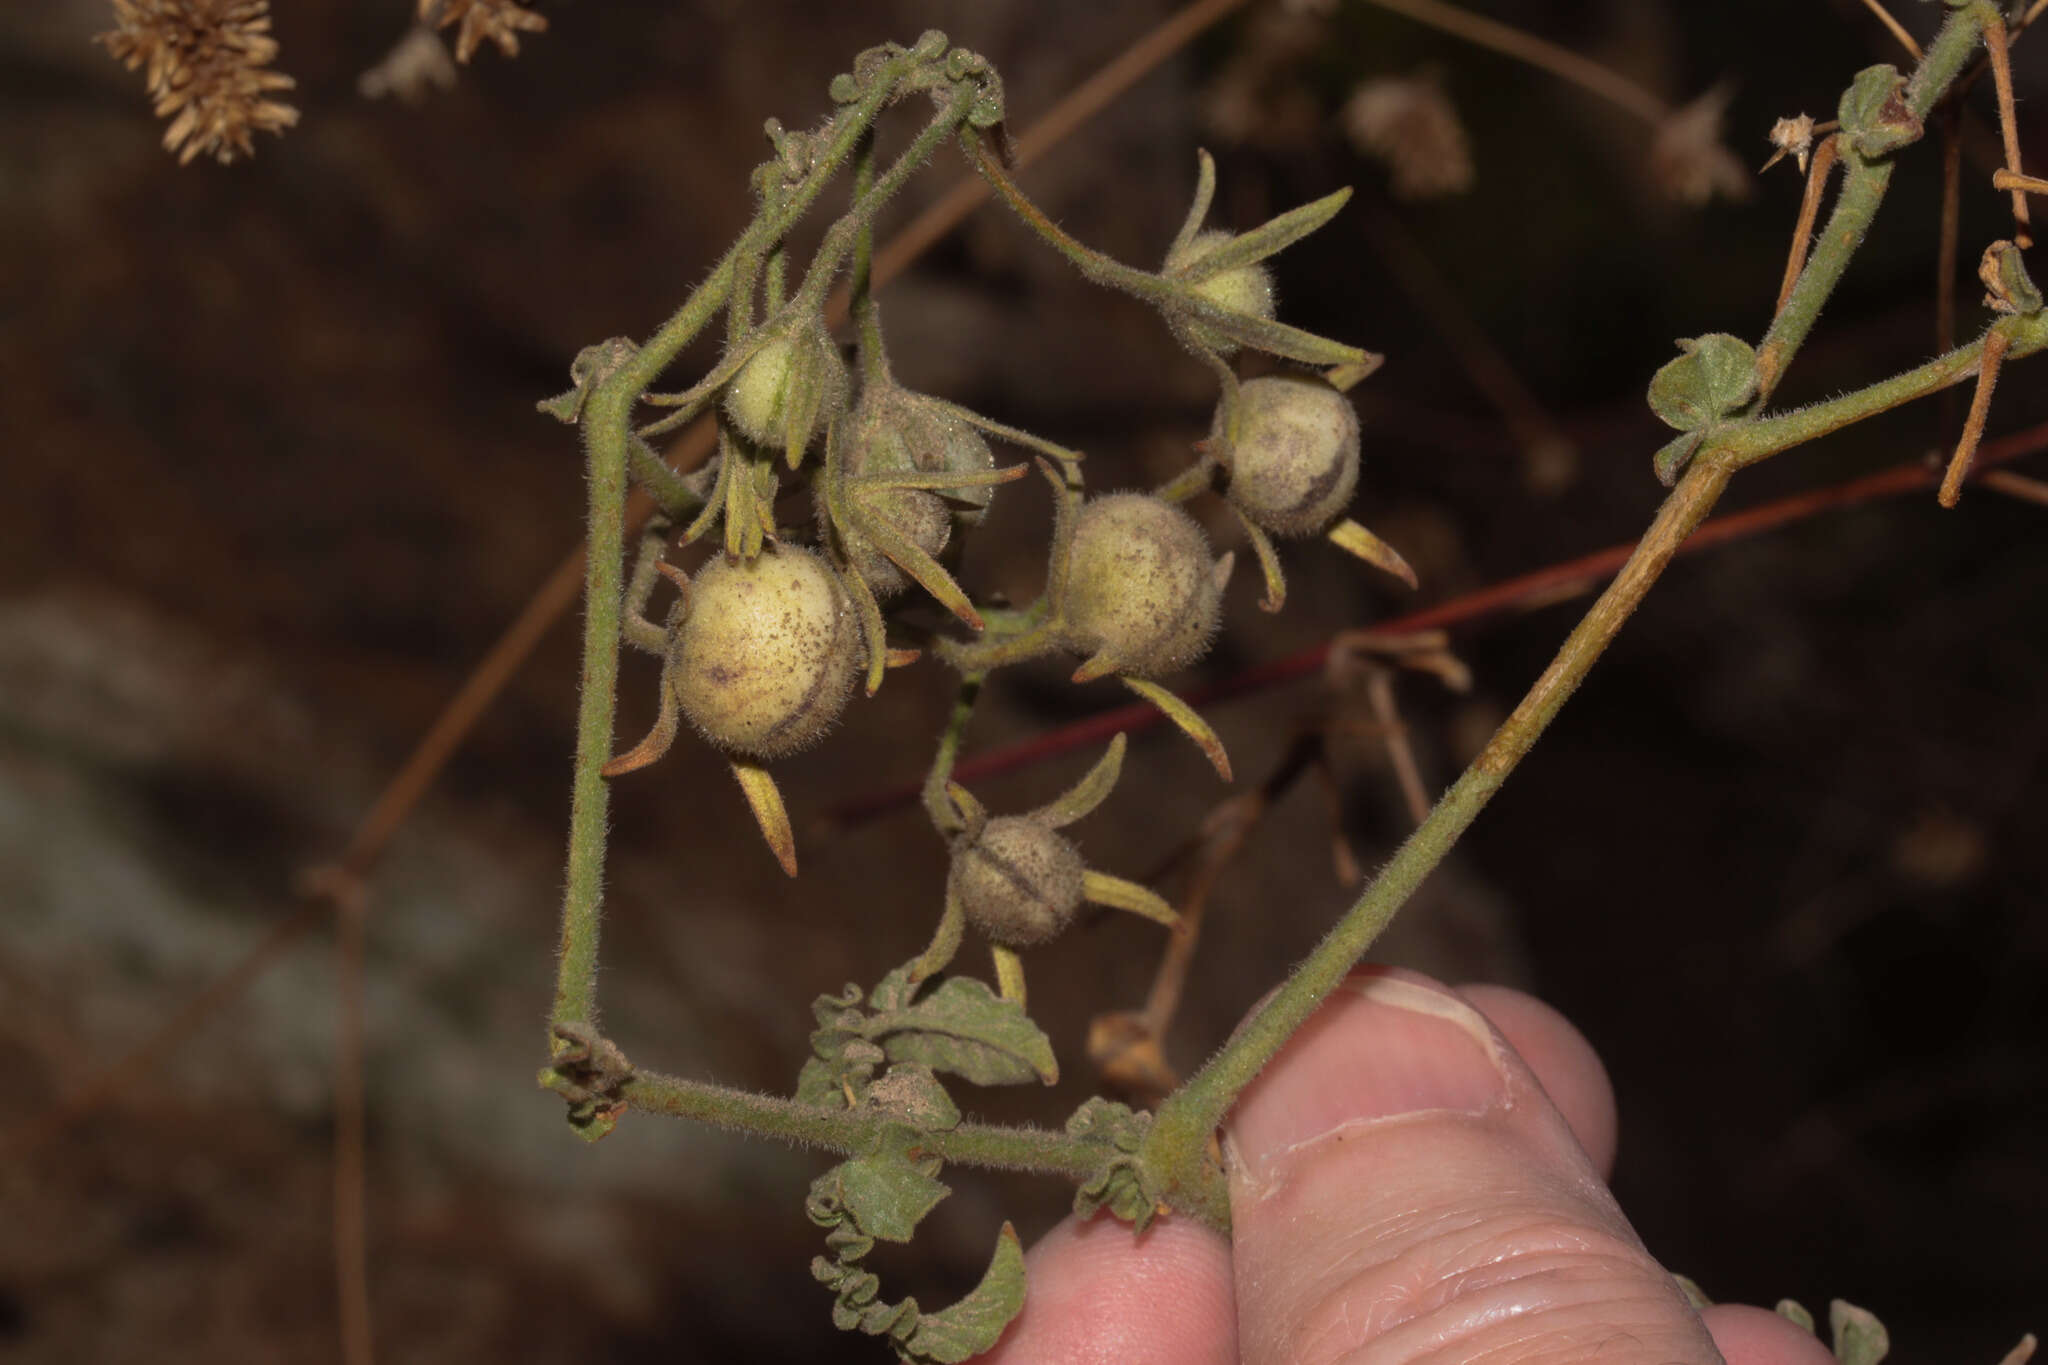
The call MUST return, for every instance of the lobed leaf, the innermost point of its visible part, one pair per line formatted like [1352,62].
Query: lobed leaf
[976,1322]
[963,1028]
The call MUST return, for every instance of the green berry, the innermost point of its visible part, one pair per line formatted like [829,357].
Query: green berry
[1294,464]
[1247,289]
[764,657]
[1019,881]
[1141,587]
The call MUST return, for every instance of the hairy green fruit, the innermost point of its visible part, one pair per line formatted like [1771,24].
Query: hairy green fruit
[788,389]
[1019,882]
[1294,464]
[898,432]
[1247,289]
[763,659]
[1141,589]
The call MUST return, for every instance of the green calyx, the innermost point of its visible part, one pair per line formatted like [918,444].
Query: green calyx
[782,397]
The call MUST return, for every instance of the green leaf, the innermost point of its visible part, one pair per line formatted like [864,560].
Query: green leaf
[1876,120]
[1860,1339]
[2008,287]
[1795,1312]
[1274,235]
[964,1028]
[913,1094]
[1121,1184]
[975,1323]
[885,1196]
[591,367]
[1694,1295]
[1712,377]
[1672,458]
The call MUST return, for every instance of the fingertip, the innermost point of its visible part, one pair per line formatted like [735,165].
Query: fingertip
[1099,1293]
[1757,1336]
[1565,1064]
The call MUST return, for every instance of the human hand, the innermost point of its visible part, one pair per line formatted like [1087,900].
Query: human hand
[1419,1176]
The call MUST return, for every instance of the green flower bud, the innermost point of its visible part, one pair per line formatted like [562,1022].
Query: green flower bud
[764,657]
[794,379]
[1294,464]
[1019,881]
[1247,289]
[1141,589]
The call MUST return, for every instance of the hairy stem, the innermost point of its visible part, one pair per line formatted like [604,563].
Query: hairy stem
[607,434]
[1178,1142]
[1177,1148]
[853,1132]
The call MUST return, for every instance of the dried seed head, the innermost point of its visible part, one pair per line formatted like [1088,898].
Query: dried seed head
[796,378]
[207,71]
[1688,160]
[1247,289]
[495,21]
[1294,464]
[1019,881]
[1409,123]
[764,657]
[1141,588]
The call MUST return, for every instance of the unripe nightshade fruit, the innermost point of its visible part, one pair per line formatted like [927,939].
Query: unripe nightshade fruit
[897,432]
[799,371]
[1141,587]
[764,657]
[1019,882]
[1294,464]
[1247,289]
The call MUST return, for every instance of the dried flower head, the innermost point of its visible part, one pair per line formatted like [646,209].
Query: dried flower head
[205,63]
[501,21]
[418,63]
[1409,123]
[1792,137]
[1688,159]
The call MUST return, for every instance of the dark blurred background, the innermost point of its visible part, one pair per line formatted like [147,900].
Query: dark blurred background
[273,483]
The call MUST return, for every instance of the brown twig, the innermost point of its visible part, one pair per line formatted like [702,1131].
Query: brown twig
[125,1072]
[1128,1047]
[1995,346]
[2016,486]
[1555,583]
[1549,456]
[1947,254]
[1824,157]
[1898,30]
[1526,47]
[351,1244]
[2008,126]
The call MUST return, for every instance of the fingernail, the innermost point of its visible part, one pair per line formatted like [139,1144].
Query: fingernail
[1384,1046]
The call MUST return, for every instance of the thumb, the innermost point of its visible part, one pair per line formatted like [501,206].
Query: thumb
[1403,1190]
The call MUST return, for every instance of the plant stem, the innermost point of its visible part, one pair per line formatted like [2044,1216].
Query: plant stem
[607,435]
[1864,182]
[937,804]
[1746,444]
[853,1132]
[1177,1147]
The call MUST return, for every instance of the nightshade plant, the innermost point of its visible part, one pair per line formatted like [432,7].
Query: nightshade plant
[762,649]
